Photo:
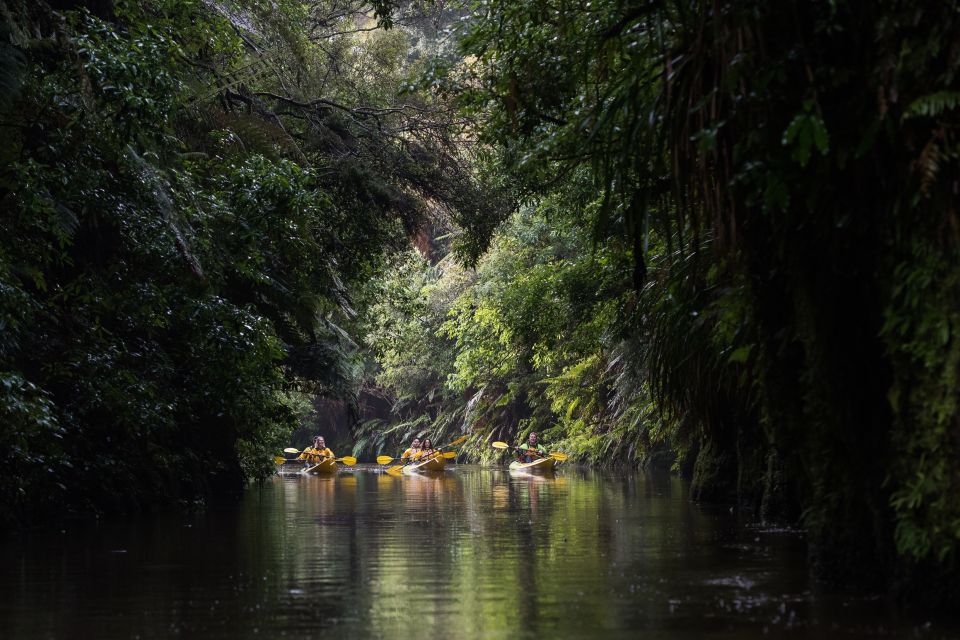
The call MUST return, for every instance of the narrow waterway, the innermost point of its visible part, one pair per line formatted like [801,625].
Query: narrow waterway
[475,553]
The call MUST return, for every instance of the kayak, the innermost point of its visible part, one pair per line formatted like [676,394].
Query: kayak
[432,464]
[326,466]
[543,465]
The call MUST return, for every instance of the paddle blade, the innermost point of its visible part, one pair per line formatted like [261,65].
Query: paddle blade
[348,460]
[499,445]
[556,455]
[384,459]
[449,454]
[291,450]
[459,440]
[279,459]
[396,469]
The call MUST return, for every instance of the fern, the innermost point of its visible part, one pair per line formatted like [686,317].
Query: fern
[932,105]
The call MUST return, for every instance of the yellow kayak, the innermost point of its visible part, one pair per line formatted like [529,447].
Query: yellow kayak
[432,464]
[325,466]
[543,465]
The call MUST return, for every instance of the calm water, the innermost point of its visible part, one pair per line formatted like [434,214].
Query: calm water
[477,553]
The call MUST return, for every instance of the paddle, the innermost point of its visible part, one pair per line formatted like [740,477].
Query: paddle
[459,440]
[387,460]
[556,455]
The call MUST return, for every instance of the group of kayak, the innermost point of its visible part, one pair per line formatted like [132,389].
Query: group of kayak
[422,456]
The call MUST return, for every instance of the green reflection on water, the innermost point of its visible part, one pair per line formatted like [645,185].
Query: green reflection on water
[471,553]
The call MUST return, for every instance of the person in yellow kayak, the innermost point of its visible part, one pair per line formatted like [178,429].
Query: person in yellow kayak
[530,450]
[427,450]
[414,452]
[318,452]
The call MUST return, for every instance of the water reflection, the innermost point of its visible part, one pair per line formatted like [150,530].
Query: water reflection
[466,554]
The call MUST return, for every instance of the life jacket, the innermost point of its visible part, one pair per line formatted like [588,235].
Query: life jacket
[529,454]
[411,453]
[316,455]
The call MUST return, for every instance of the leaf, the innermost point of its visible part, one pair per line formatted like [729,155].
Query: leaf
[821,137]
[741,355]
[776,196]
[805,131]
[798,134]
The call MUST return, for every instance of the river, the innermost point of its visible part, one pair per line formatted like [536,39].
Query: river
[476,553]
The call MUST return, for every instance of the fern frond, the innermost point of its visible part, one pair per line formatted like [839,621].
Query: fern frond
[932,105]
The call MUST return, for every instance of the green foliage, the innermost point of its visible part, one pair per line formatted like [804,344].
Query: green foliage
[934,104]
[805,132]
[526,343]
[920,332]
[193,199]
[717,234]
[797,314]
[133,76]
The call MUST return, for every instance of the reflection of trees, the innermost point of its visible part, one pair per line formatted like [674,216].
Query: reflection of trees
[527,556]
[460,555]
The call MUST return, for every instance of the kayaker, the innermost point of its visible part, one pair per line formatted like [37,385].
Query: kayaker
[530,450]
[427,449]
[318,452]
[413,452]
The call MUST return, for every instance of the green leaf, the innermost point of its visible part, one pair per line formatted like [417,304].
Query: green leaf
[805,132]
[741,355]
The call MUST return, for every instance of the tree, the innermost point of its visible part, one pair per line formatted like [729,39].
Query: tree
[799,160]
[192,197]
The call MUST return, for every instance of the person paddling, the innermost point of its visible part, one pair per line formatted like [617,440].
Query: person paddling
[530,450]
[427,449]
[318,452]
[414,452]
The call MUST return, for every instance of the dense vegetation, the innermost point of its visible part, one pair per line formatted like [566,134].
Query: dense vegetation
[721,237]
[740,244]
[192,195]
